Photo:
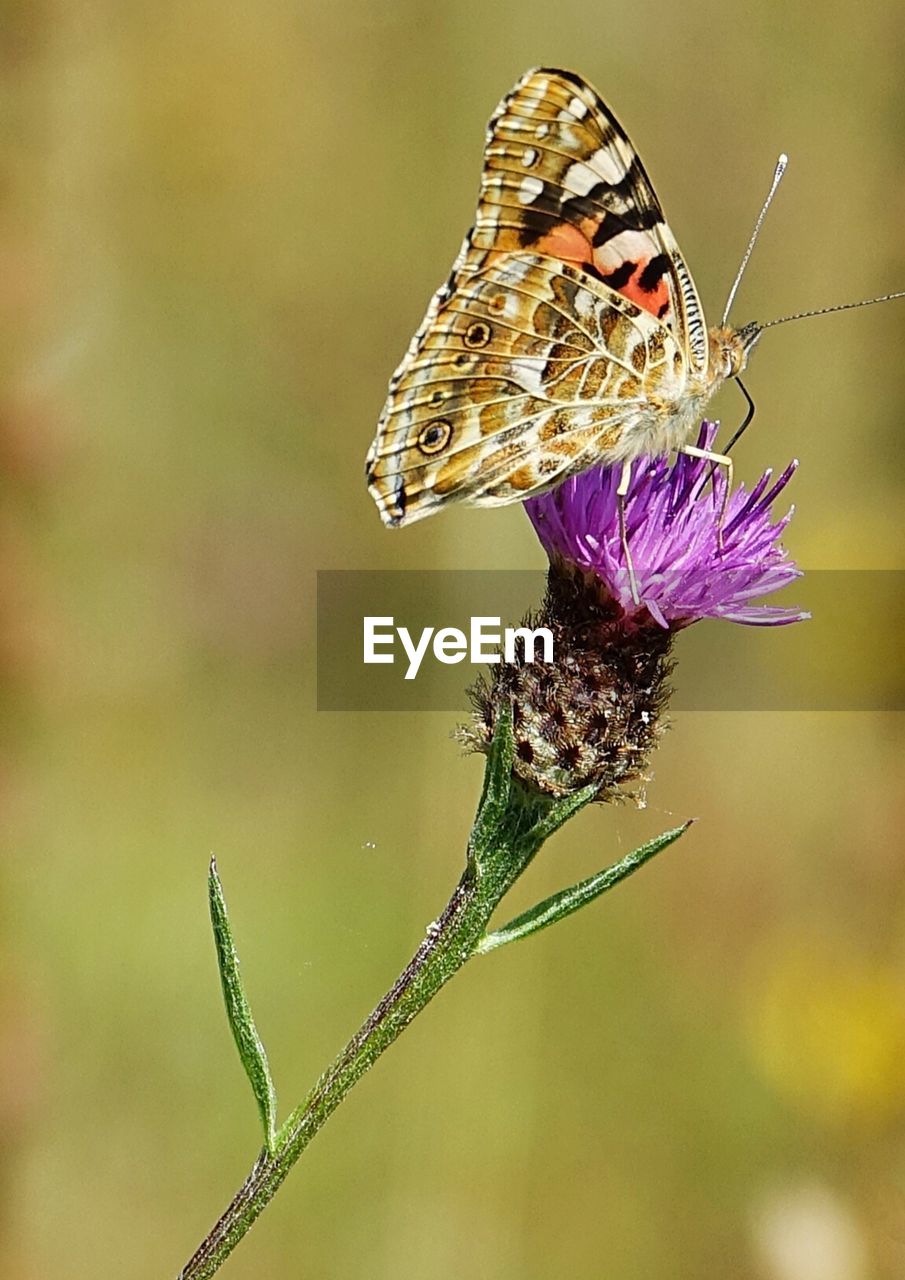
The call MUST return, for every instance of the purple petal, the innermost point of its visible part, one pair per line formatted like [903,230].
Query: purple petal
[673,517]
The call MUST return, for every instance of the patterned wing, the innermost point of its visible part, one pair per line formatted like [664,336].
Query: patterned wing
[561,178]
[528,372]
[568,331]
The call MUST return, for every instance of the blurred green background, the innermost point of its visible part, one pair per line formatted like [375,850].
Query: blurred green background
[220,224]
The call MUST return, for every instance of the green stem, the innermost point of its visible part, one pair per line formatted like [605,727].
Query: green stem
[445,948]
[509,829]
[511,825]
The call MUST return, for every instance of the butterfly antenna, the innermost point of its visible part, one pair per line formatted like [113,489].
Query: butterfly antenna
[777,178]
[825,311]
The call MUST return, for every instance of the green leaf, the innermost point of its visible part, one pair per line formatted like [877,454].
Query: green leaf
[562,904]
[245,1033]
[497,778]
[560,811]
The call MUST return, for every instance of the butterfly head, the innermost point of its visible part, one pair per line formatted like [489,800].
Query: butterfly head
[730,349]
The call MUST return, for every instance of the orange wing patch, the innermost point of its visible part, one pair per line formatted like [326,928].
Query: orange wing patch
[561,178]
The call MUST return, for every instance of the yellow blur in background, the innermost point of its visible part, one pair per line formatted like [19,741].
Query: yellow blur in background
[220,224]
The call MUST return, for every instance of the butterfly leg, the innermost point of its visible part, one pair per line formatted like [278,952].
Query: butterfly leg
[621,491]
[718,460]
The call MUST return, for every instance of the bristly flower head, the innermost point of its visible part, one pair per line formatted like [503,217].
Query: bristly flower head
[672,518]
[593,715]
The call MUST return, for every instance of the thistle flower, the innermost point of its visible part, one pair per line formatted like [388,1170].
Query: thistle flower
[557,736]
[686,566]
[595,713]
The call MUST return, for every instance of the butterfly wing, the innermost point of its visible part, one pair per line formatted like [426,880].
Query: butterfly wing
[568,305]
[526,375]
[561,178]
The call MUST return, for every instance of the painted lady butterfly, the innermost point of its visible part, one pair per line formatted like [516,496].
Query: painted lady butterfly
[570,331]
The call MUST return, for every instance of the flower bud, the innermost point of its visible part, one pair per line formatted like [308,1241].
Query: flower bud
[594,713]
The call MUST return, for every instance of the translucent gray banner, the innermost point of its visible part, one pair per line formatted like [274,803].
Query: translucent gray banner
[847,657]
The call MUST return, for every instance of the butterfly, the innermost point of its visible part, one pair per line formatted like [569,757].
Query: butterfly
[569,332]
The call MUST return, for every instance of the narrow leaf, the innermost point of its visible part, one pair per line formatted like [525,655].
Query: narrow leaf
[562,904]
[497,775]
[561,811]
[245,1033]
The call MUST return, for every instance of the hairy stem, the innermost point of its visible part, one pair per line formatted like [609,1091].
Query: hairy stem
[448,943]
[510,826]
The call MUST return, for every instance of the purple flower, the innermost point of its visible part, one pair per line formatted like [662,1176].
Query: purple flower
[672,518]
